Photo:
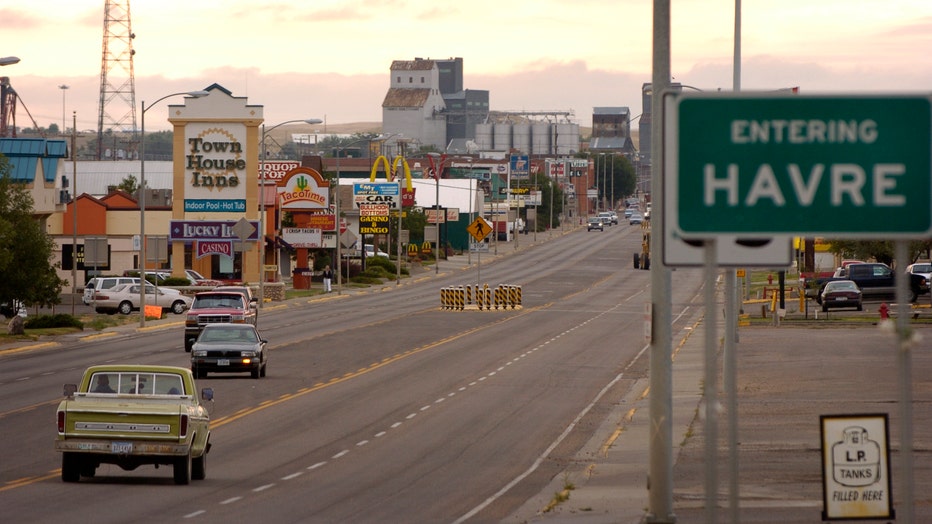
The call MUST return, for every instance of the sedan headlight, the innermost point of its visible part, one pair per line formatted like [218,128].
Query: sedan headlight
[247,354]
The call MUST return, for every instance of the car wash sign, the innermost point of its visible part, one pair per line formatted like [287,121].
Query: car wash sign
[844,166]
[372,193]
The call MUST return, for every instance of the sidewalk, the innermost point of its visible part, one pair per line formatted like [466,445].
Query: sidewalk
[610,472]
[787,377]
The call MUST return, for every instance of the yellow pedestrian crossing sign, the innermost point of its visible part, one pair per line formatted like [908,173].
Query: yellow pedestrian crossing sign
[479,229]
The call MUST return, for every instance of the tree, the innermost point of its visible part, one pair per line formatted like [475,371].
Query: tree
[26,249]
[879,250]
[549,194]
[159,145]
[129,184]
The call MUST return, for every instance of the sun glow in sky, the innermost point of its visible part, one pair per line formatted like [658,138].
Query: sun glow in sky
[330,58]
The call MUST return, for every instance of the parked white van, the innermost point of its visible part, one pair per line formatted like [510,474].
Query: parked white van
[100,283]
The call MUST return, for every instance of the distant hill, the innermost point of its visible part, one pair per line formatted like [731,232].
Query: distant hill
[351,128]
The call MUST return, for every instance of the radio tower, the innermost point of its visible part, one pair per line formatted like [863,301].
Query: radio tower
[117,83]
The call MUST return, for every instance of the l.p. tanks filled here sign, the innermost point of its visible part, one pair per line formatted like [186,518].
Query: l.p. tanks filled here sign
[856,481]
[845,166]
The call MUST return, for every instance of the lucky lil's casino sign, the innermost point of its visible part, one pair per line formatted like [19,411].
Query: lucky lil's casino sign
[215,168]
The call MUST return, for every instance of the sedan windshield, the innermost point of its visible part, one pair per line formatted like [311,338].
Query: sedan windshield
[229,335]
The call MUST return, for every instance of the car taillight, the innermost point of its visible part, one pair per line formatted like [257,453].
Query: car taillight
[183,428]
[61,422]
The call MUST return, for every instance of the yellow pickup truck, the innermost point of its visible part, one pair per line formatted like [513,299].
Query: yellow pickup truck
[133,415]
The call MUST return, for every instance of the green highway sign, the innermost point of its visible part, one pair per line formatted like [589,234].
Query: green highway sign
[840,166]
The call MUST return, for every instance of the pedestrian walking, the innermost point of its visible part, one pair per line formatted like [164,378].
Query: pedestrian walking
[328,278]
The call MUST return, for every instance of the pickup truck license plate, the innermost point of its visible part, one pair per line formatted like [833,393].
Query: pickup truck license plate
[223,362]
[121,448]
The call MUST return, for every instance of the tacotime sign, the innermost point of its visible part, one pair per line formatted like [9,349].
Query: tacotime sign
[304,188]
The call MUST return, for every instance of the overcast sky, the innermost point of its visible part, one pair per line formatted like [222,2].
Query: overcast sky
[330,59]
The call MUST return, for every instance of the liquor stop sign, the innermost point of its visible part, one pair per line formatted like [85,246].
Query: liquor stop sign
[845,166]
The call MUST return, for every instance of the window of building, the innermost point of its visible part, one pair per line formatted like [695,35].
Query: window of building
[410,79]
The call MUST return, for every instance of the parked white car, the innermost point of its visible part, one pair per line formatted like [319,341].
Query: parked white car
[371,251]
[124,299]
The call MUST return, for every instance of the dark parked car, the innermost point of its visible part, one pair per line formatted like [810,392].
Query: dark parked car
[841,294]
[229,348]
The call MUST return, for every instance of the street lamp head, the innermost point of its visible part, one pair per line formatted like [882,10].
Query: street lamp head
[197,94]
[313,121]
[9,60]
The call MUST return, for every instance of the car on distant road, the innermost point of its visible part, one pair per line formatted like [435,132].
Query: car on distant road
[229,348]
[124,299]
[595,223]
[841,294]
[628,212]
[635,218]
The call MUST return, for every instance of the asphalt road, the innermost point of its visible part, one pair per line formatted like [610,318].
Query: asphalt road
[379,406]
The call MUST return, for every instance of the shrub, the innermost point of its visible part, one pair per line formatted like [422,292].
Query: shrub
[53,321]
[362,278]
[380,262]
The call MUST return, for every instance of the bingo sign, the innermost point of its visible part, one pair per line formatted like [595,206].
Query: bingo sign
[374,219]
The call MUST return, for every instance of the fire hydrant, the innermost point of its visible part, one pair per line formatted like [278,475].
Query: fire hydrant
[770,279]
[884,311]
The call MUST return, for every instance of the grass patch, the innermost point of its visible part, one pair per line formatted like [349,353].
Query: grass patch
[561,496]
[301,293]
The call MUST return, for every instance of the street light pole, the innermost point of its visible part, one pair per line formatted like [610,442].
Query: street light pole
[262,180]
[340,151]
[612,204]
[142,198]
[74,212]
[63,87]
